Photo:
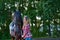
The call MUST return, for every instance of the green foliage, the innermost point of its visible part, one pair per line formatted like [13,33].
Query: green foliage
[48,10]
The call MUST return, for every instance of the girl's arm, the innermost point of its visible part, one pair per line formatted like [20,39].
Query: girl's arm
[25,33]
[26,30]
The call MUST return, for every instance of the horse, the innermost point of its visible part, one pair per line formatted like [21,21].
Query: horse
[17,25]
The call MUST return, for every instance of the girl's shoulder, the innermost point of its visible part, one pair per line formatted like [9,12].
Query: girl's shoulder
[28,26]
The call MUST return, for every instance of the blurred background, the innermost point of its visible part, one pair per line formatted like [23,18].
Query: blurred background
[44,16]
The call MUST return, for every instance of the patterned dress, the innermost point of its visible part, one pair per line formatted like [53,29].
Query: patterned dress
[26,31]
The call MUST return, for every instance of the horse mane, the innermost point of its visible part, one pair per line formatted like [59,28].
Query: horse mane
[18,17]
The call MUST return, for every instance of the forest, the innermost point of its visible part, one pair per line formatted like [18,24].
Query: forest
[44,16]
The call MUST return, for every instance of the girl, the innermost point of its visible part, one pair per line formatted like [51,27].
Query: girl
[26,29]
